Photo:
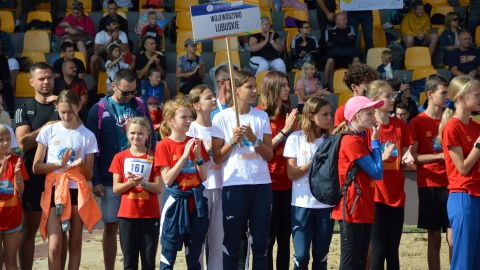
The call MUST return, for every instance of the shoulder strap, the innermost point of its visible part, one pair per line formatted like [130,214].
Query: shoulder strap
[306,86]
[101,109]
[142,106]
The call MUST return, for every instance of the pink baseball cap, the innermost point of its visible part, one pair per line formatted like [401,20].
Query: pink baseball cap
[152,100]
[358,103]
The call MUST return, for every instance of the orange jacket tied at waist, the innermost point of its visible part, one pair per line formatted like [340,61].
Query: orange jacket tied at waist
[87,207]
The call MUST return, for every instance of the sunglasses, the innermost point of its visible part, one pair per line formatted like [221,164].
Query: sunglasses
[126,93]
[455,19]
[225,80]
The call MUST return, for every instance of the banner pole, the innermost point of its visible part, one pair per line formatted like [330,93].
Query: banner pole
[232,84]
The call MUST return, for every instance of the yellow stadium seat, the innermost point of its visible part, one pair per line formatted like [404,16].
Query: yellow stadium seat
[259,78]
[80,56]
[181,37]
[184,21]
[221,44]
[440,10]
[263,4]
[39,15]
[87,5]
[464,3]
[102,83]
[291,32]
[297,14]
[436,2]
[343,98]
[338,84]
[420,73]
[422,99]
[35,56]
[23,88]
[8,23]
[124,10]
[221,56]
[379,39]
[477,36]
[440,30]
[44,6]
[184,5]
[374,57]
[292,8]
[36,41]
[417,57]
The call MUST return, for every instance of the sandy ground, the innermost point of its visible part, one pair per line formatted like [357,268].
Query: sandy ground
[413,253]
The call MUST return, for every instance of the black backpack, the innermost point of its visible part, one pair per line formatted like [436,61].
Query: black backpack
[323,175]
[396,15]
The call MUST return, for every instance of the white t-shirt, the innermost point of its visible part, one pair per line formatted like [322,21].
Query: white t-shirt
[102,37]
[214,171]
[298,147]
[111,71]
[58,139]
[244,166]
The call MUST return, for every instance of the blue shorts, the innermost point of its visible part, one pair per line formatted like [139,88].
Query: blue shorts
[110,203]
[16,229]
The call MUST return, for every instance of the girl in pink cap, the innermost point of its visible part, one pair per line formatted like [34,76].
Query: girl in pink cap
[359,116]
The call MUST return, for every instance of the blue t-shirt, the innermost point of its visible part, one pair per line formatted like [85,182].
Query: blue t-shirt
[217,110]
[150,91]
[123,113]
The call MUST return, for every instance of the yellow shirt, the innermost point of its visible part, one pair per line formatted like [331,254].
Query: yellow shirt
[413,25]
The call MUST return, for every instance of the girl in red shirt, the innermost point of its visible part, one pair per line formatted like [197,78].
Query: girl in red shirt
[13,172]
[389,193]
[459,136]
[139,183]
[356,225]
[275,101]
[181,160]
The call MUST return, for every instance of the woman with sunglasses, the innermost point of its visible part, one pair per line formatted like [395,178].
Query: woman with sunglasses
[304,46]
[449,37]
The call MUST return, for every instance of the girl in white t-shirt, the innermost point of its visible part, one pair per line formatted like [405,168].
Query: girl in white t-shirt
[247,190]
[114,63]
[204,102]
[69,147]
[311,222]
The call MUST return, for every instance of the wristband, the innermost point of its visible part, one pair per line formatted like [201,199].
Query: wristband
[19,180]
[146,185]
[278,138]
[283,133]
[232,143]
[200,161]
[271,41]
[477,145]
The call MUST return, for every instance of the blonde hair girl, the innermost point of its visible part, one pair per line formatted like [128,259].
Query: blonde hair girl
[461,147]
[182,162]
[139,183]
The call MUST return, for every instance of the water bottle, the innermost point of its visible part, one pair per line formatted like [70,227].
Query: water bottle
[54,46]
[405,77]
[276,4]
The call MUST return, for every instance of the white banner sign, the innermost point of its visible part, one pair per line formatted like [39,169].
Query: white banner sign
[347,5]
[221,19]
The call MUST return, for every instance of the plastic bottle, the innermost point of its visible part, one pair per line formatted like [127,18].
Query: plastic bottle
[405,77]
[54,46]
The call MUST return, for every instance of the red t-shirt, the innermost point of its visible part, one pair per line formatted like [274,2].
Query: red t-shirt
[167,154]
[424,129]
[339,117]
[10,203]
[391,189]
[351,149]
[157,118]
[277,166]
[136,202]
[455,133]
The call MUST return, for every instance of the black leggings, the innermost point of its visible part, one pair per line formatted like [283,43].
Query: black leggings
[280,229]
[354,245]
[386,236]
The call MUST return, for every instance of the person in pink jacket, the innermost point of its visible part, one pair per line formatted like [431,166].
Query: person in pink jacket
[77,28]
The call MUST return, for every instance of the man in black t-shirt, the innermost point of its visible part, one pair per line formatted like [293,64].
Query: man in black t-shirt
[29,119]
[464,60]
[69,50]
